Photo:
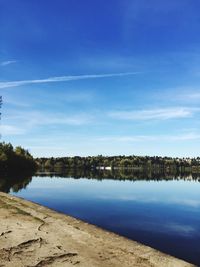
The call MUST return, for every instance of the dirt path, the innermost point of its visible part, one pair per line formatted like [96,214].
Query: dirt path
[34,236]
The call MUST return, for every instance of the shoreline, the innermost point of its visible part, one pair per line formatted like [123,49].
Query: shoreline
[33,235]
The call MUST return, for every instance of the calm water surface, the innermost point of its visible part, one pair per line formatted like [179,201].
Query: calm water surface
[164,215]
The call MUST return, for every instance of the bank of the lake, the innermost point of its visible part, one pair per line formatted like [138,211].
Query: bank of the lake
[32,235]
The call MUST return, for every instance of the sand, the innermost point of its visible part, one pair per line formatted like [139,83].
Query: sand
[32,235]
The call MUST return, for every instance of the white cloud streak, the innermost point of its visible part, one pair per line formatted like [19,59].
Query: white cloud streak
[11,130]
[63,79]
[144,138]
[193,96]
[154,114]
[178,94]
[8,62]
[38,118]
[22,123]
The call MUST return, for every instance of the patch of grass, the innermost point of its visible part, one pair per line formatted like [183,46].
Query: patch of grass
[16,210]
[22,212]
[38,219]
[4,205]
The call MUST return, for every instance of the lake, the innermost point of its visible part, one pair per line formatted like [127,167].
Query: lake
[163,214]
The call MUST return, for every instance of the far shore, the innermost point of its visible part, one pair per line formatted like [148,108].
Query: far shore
[32,235]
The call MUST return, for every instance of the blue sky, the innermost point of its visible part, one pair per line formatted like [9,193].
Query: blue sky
[101,77]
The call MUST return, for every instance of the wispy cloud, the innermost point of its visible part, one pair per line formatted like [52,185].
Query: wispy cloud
[133,138]
[37,118]
[13,102]
[193,96]
[142,138]
[11,130]
[21,123]
[80,119]
[189,94]
[183,137]
[154,114]
[8,62]
[64,96]
[63,79]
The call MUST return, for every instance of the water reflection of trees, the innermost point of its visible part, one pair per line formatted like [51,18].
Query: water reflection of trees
[120,174]
[14,182]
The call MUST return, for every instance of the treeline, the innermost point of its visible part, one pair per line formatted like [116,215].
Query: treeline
[15,160]
[127,162]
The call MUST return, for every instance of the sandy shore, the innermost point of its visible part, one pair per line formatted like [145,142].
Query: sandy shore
[32,235]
